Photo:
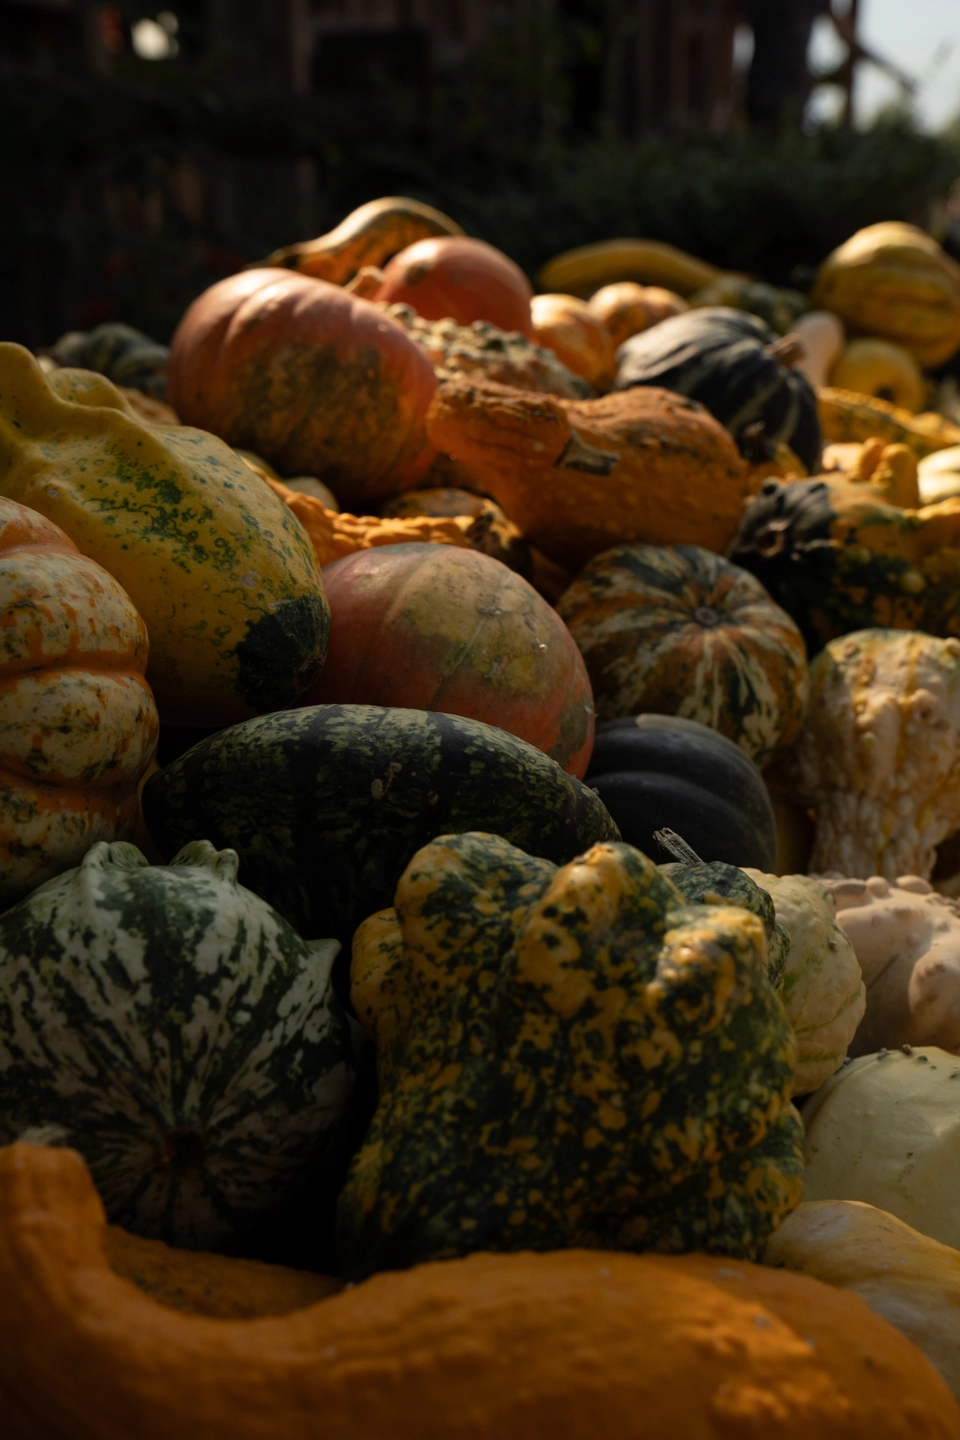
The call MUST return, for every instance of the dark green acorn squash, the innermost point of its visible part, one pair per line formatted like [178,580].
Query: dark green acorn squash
[735,366]
[326,806]
[656,772]
[566,1057]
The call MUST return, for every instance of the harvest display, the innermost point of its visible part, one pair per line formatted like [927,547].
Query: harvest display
[480,851]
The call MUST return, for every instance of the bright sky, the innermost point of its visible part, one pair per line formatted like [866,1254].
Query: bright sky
[922,37]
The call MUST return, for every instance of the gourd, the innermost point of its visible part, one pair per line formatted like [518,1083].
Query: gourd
[427,627]
[626,308]
[822,990]
[569,327]
[839,557]
[717,883]
[821,336]
[656,772]
[368,236]
[681,631]
[460,278]
[725,1347]
[878,759]
[314,380]
[126,356]
[886,1130]
[894,281]
[628,1046]
[604,262]
[580,476]
[938,476]
[776,307]
[906,1278]
[220,572]
[881,369]
[739,369]
[336,800]
[500,539]
[169,1025]
[848,416]
[78,725]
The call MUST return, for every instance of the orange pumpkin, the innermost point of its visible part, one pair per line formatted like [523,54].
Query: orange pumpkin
[627,308]
[429,627]
[312,379]
[461,279]
[78,725]
[568,327]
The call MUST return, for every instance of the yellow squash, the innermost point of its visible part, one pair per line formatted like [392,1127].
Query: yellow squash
[651,262]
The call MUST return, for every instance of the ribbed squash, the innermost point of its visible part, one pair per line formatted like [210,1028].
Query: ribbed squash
[580,476]
[570,328]
[369,235]
[683,632]
[627,308]
[221,573]
[126,356]
[895,281]
[778,308]
[629,1047]
[512,1346]
[78,725]
[881,369]
[848,416]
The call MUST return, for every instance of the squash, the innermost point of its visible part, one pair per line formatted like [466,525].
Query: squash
[604,262]
[776,307]
[656,772]
[906,1278]
[336,799]
[221,573]
[822,337]
[881,369]
[938,476]
[427,627]
[460,278]
[846,416]
[738,368]
[683,632]
[177,1032]
[78,726]
[839,558]
[628,1046]
[315,381]
[509,1345]
[886,1130]
[368,236]
[894,281]
[500,539]
[626,308]
[580,476]
[717,883]
[569,327]
[126,356]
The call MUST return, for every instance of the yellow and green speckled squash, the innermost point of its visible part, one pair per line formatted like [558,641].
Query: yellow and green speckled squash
[567,1057]
[220,570]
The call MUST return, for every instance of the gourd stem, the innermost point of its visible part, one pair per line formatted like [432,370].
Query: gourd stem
[676,847]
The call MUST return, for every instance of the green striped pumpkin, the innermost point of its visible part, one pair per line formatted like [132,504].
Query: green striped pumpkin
[681,631]
[170,1026]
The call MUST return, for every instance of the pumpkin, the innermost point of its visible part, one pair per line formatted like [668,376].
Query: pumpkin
[368,236]
[221,573]
[605,262]
[501,538]
[315,381]
[735,366]
[78,726]
[839,558]
[683,632]
[570,328]
[778,308]
[626,308]
[126,356]
[656,772]
[580,476]
[881,369]
[905,1277]
[427,627]
[629,1047]
[894,281]
[885,1129]
[460,278]
[175,1030]
[336,799]
[505,1345]
[822,338]
[847,416]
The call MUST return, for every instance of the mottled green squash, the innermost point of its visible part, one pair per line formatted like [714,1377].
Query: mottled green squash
[170,1026]
[566,1057]
[716,883]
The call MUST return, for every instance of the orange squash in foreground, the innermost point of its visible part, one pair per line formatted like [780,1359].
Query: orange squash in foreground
[559,1346]
[78,725]
[430,627]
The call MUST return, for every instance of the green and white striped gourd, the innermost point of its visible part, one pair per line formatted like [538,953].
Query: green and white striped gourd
[178,1032]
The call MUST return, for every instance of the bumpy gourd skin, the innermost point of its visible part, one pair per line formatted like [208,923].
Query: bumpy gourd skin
[567,1057]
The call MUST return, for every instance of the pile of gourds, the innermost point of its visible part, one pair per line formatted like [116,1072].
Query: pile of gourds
[471,762]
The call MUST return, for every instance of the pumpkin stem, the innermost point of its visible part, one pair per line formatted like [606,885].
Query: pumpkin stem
[787,351]
[676,847]
[578,455]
